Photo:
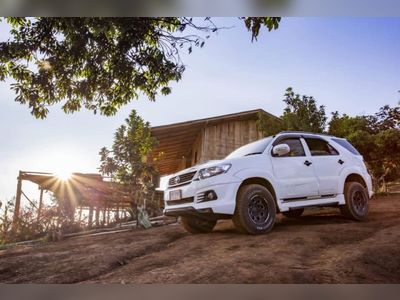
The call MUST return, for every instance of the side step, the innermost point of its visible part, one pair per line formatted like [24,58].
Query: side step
[288,200]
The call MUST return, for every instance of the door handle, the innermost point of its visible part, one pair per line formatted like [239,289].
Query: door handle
[307,163]
[340,161]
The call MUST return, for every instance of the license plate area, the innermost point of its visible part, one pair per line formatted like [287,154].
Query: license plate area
[175,195]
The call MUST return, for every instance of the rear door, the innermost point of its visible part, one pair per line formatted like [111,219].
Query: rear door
[328,164]
[295,176]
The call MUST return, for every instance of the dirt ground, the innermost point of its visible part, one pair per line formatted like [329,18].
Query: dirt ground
[320,247]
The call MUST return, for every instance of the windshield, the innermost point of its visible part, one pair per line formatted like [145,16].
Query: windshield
[257,147]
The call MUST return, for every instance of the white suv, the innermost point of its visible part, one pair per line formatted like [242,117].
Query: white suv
[284,173]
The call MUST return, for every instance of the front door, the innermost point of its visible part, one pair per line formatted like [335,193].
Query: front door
[294,173]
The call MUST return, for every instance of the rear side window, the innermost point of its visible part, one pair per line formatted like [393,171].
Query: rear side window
[296,148]
[319,147]
[345,144]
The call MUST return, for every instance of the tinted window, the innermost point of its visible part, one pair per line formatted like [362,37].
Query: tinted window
[345,144]
[296,148]
[320,147]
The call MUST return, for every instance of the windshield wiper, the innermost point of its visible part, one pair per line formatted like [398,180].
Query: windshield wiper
[253,153]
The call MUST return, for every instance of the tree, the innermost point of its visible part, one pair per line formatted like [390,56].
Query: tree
[387,118]
[301,114]
[345,125]
[101,63]
[127,162]
[377,137]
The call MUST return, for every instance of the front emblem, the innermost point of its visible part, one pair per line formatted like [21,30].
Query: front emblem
[177,179]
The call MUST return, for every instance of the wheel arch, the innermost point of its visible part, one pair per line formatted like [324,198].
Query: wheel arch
[355,177]
[261,181]
[352,175]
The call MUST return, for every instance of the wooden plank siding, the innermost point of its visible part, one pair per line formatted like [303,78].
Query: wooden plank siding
[221,139]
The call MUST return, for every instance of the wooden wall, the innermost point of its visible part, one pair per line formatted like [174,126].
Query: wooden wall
[221,139]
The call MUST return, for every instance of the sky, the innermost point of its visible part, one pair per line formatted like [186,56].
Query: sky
[348,64]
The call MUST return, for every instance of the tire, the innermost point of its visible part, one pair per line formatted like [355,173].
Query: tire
[296,213]
[195,224]
[255,211]
[357,199]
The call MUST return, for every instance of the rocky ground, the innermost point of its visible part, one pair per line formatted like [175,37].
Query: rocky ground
[320,247]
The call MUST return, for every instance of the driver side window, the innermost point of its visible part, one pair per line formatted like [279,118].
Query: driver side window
[296,148]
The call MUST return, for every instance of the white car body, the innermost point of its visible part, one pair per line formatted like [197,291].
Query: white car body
[294,181]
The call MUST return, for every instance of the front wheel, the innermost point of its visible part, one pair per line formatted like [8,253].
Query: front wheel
[356,198]
[255,210]
[194,224]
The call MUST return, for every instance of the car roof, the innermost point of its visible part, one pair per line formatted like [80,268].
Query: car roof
[303,134]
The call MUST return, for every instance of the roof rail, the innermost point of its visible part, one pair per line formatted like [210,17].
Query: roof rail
[302,132]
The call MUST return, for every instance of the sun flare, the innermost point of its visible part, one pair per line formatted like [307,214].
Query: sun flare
[64,175]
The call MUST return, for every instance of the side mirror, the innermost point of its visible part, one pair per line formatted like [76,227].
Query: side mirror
[281,149]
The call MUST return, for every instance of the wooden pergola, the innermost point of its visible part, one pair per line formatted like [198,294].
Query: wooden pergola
[84,191]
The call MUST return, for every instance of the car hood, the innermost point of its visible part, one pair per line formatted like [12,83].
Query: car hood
[206,164]
[234,161]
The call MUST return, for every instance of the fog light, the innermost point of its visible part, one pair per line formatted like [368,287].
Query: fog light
[210,195]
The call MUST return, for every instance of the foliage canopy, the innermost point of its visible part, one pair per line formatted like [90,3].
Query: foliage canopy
[101,63]
[300,114]
[377,137]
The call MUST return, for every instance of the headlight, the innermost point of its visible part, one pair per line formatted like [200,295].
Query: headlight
[213,171]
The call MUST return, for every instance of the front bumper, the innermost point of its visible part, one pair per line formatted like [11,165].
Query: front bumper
[194,202]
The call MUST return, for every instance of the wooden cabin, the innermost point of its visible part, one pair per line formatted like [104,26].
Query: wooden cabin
[189,143]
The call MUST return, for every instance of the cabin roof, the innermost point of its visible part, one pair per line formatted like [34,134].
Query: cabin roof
[175,140]
[85,189]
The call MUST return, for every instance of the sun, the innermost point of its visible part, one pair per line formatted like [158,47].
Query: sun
[64,175]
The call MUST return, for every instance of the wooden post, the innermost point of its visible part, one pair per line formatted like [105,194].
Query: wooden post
[17,204]
[80,213]
[58,213]
[90,221]
[97,215]
[117,213]
[104,215]
[108,216]
[40,205]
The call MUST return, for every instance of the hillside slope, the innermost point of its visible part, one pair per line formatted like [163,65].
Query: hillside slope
[320,247]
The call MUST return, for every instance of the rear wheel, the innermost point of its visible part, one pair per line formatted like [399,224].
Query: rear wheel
[255,211]
[296,213]
[357,199]
[194,224]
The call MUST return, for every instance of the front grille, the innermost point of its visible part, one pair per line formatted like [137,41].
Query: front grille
[181,179]
[180,201]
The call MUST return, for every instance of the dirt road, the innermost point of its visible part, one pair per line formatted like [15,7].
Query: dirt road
[320,247]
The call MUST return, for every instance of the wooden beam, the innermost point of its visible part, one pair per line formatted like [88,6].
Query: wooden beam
[31,202]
